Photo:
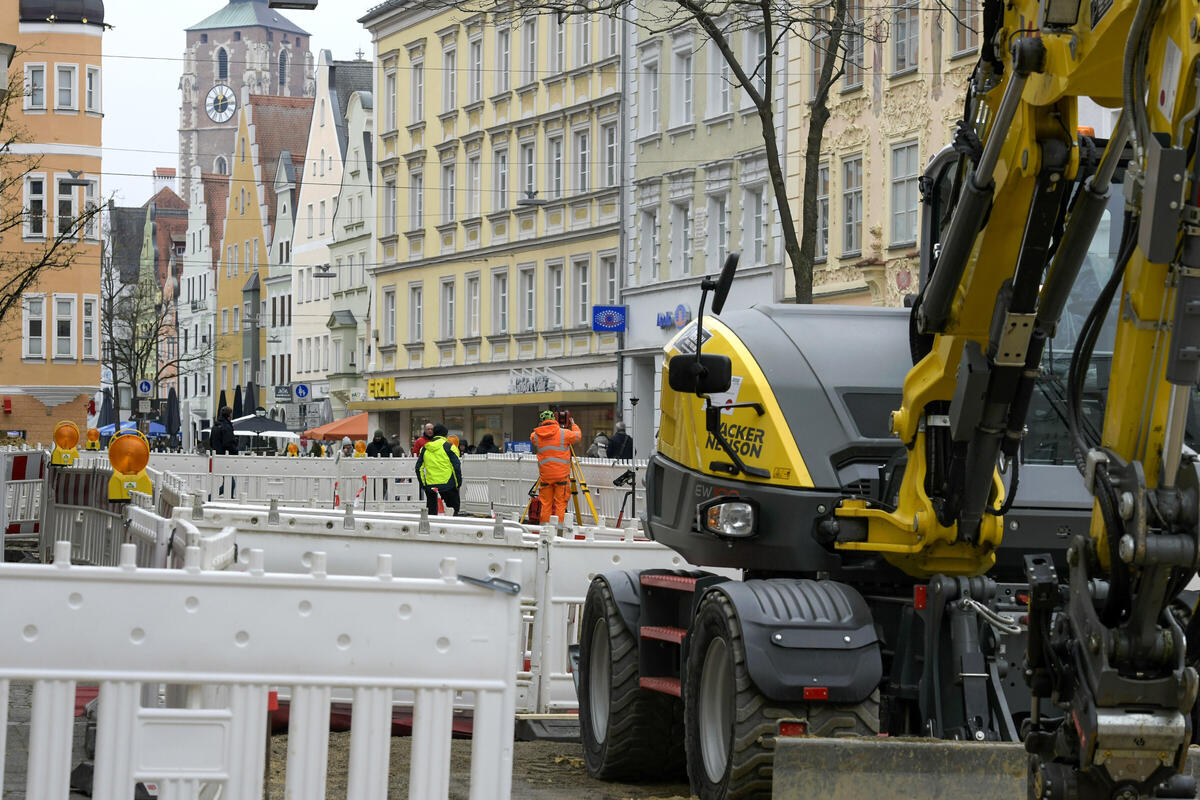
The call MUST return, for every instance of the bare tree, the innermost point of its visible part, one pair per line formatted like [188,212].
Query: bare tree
[21,268]
[139,332]
[828,26]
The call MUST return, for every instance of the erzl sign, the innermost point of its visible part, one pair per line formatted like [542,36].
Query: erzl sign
[382,387]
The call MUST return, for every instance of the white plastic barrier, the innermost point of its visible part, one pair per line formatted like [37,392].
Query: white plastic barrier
[312,633]
[77,510]
[22,481]
[150,534]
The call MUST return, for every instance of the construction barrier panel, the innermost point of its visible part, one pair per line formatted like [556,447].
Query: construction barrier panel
[246,632]
[77,510]
[23,473]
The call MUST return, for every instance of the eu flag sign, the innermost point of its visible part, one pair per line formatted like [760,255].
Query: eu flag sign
[608,319]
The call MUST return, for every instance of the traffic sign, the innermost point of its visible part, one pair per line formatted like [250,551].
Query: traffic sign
[143,405]
[144,387]
[301,391]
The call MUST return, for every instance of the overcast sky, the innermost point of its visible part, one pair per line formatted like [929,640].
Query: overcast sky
[143,59]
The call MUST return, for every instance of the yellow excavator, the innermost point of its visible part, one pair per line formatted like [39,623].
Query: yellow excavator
[975,518]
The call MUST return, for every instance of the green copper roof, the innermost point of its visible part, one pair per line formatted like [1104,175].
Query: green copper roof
[247,13]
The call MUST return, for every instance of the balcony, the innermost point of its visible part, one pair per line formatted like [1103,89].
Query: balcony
[199,305]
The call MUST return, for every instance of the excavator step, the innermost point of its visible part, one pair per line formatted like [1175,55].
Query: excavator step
[664,685]
[664,633]
[681,583]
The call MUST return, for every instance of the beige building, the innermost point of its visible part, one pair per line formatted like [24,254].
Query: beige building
[892,111]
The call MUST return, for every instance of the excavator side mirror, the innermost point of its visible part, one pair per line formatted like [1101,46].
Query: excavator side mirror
[707,373]
[724,283]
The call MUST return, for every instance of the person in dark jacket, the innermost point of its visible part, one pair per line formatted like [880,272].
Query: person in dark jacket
[487,445]
[438,467]
[621,444]
[224,443]
[378,447]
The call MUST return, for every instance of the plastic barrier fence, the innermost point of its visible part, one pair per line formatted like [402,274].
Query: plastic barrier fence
[312,633]
[77,510]
[23,473]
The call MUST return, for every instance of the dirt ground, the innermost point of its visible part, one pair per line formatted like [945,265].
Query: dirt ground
[541,771]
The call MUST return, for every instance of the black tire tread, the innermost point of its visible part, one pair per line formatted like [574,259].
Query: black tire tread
[756,720]
[645,733]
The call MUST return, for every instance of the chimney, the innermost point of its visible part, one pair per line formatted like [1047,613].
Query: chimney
[164,178]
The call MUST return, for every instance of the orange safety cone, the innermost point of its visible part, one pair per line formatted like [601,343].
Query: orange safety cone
[441,506]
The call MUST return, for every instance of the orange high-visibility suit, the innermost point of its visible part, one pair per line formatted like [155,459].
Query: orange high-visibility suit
[552,444]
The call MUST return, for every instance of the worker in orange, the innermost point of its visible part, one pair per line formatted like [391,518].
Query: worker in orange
[552,440]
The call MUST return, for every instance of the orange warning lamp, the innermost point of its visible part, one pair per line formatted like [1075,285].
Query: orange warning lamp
[293,449]
[129,453]
[93,439]
[360,449]
[66,441]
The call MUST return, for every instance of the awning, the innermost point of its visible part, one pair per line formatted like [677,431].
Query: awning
[575,398]
[355,427]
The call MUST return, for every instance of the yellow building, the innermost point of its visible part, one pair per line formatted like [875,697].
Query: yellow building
[892,111]
[498,203]
[50,345]
[267,127]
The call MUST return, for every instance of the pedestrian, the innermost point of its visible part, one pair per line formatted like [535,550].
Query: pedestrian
[487,445]
[347,447]
[620,445]
[397,447]
[439,469]
[224,443]
[378,447]
[426,435]
[552,442]
[599,446]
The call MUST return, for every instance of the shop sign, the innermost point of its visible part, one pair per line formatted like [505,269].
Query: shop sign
[283,393]
[382,387]
[531,381]
[678,318]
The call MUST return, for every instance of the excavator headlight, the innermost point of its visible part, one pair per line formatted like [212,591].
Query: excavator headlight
[729,517]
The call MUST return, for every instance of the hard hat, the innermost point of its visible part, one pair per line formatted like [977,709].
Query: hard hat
[547,414]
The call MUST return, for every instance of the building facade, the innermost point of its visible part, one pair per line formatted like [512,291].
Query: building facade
[499,216]
[699,189]
[289,173]
[245,47]
[51,345]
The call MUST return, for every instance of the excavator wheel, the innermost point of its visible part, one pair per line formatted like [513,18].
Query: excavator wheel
[628,733]
[731,726]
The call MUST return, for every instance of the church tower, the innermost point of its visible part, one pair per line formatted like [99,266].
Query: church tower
[245,48]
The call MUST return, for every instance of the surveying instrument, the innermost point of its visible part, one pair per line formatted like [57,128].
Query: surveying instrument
[578,482]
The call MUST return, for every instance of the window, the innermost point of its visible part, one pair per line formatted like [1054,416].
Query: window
[583,161]
[91,229]
[681,236]
[611,154]
[528,300]
[583,40]
[64,87]
[754,225]
[854,45]
[475,71]
[322,219]
[609,43]
[852,205]
[503,58]
[583,294]
[389,208]
[35,86]
[906,30]
[417,104]
[758,54]
[448,191]
[718,229]
[554,314]
[904,193]
[719,84]
[222,65]
[449,79]
[681,88]
[472,306]
[389,99]
[447,328]
[966,26]
[649,243]
[91,327]
[554,176]
[34,313]
[820,49]
[283,69]
[237,324]
[558,56]
[530,74]
[500,302]
[416,201]
[92,99]
[650,94]
[67,215]
[528,165]
[822,211]
[473,185]
[224,320]
[310,220]
[389,315]
[35,206]
[64,326]
[500,160]
[416,318]
[608,280]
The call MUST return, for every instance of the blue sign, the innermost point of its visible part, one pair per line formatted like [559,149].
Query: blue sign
[518,447]
[678,318]
[301,391]
[608,319]
[144,386]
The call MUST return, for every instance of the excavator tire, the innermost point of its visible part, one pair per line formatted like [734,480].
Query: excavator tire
[628,733]
[730,726]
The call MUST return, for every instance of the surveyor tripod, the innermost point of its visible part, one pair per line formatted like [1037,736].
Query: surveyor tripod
[578,482]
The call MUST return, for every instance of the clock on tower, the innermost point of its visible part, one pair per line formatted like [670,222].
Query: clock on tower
[220,103]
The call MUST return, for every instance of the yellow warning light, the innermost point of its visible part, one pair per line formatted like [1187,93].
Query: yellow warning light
[129,453]
[360,446]
[66,435]
[93,434]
